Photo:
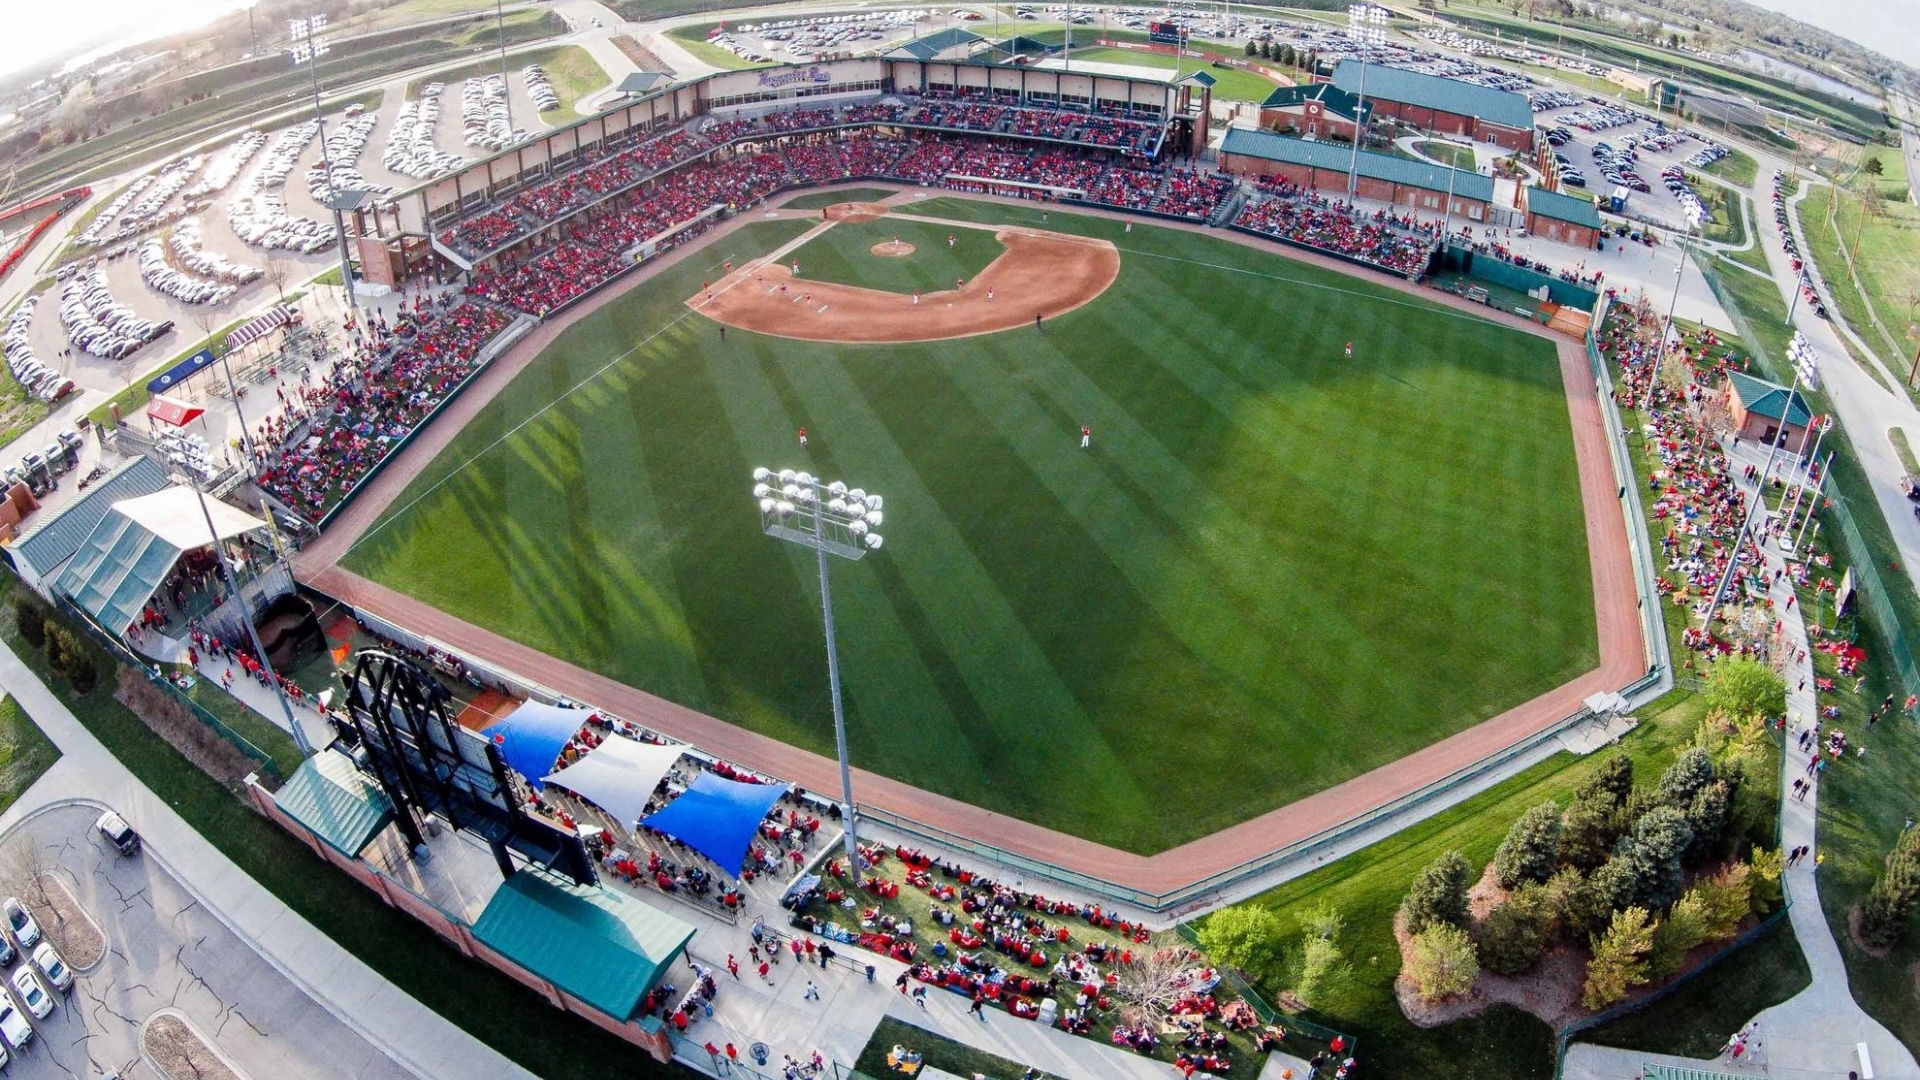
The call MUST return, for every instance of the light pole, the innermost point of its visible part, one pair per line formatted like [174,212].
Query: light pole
[1368,26]
[506,90]
[1666,328]
[832,519]
[1759,500]
[308,47]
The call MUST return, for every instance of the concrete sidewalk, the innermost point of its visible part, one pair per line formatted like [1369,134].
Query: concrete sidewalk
[416,1038]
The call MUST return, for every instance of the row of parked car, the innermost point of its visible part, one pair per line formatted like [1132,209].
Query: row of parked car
[16,342]
[1675,178]
[162,277]
[484,114]
[1792,247]
[411,149]
[188,252]
[342,169]
[1707,155]
[94,321]
[540,88]
[226,165]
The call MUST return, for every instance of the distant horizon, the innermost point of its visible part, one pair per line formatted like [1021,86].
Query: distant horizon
[1892,26]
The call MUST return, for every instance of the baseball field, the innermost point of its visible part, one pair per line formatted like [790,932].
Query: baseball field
[1274,569]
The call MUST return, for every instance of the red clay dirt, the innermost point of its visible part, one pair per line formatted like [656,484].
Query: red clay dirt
[854,211]
[1040,274]
[892,249]
[1622,655]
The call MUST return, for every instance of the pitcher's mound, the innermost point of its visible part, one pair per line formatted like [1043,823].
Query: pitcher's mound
[854,211]
[892,249]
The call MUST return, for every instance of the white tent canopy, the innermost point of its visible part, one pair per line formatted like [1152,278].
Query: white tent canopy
[174,515]
[619,776]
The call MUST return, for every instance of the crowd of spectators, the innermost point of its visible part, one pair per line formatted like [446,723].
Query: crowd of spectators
[332,430]
[1381,238]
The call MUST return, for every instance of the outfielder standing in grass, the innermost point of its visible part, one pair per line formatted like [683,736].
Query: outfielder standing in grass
[1349,350]
[1086,436]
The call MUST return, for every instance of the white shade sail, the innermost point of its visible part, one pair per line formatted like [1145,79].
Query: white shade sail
[619,776]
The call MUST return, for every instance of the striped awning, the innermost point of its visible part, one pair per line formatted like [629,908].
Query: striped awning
[260,326]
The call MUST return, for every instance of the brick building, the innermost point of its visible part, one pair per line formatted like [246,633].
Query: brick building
[1760,409]
[1445,106]
[1567,219]
[1313,111]
[1417,185]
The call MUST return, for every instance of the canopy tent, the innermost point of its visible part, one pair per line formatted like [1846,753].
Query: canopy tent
[618,776]
[259,326]
[180,372]
[173,412]
[531,737]
[129,554]
[718,817]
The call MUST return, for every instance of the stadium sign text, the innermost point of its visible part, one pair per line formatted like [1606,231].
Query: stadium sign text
[786,78]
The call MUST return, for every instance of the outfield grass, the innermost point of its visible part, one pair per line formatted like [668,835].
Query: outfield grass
[1234,83]
[1269,550]
[842,255]
[820,200]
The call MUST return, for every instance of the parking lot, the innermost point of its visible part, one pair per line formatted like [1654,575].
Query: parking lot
[165,954]
[1603,137]
[787,41]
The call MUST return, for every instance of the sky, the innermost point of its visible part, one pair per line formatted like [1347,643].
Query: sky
[1890,27]
[37,29]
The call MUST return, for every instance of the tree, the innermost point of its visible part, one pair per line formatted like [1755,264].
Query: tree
[1873,166]
[1689,773]
[1652,856]
[1512,938]
[1610,784]
[1588,832]
[1441,962]
[1766,867]
[61,649]
[1253,48]
[1685,926]
[277,271]
[31,618]
[1532,847]
[1888,907]
[1289,55]
[1320,972]
[1728,897]
[1439,894]
[1245,937]
[1743,689]
[1156,980]
[1707,815]
[1619,958]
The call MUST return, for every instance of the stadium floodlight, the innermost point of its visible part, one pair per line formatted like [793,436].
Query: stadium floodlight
[1367,25]
[307,48]
[839,521]
[1666,328]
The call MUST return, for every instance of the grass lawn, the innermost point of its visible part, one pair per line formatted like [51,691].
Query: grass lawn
[1446,153]
[1239,577]
[1879,305]
[572,69]
[25,752]
[820,200]
[841,255]
[936,1052]
[694,40]
[1738,167]
[493,1008]
[1898,437]
[1234,85]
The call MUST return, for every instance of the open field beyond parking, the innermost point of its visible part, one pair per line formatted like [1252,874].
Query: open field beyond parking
[1268,550]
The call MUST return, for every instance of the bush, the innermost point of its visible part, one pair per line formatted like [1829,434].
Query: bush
[1532,847]
[62,649]
[31,618]
[1743,689]
[81,674]
[1244,937]
[1439,895]
[1441,962]
[1512,938]
[1619,958]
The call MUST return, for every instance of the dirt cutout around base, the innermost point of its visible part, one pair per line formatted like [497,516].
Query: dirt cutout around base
[181,1053]
[892,249]
[854,211]
[1039,276]
[71,927]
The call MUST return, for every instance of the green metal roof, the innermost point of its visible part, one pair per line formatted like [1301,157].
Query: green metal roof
[338,802]
[1674,1072]
[1200,78]
[601,946]
[1563,207]
[1337,101]
[60,535]
[1338,157]
[1770,399]
[1024,46]
[1503,107]
[932,45]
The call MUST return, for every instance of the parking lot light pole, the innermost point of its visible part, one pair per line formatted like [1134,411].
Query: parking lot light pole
[1666,328]
[832,519]
[1367,24]
[308,47]
[500,25]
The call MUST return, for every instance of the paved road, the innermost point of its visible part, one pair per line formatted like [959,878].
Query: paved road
[421,1041]
[166,952]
